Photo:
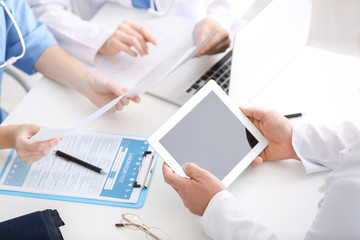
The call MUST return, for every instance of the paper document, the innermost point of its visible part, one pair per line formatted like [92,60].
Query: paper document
[150,80]
[167,66]
[49,133]
[171,32]
[119,156]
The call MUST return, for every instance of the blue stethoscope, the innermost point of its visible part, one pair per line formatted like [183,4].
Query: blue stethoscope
[12,60]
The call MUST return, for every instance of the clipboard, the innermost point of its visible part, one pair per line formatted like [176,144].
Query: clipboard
[19,182]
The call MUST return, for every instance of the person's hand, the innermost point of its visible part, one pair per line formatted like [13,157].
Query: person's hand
[219,42]
[101,90]
[196,191]
[127,35]
[277,130]
[30,152]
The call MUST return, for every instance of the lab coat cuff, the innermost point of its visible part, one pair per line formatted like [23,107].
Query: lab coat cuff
[222,17]
[88,51]
[222,204]
[228,13]
[214,202]
[298,135]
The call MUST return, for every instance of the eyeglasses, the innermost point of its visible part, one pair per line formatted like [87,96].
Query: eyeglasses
[134,222]
[13,59]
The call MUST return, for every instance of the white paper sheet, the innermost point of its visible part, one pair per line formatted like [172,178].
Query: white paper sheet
[151,79]
[171,32]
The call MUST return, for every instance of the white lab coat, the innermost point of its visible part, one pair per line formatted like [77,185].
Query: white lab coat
[320,148]
[83,39]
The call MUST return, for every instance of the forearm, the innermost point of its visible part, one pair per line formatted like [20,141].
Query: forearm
[56,64]
[7,137]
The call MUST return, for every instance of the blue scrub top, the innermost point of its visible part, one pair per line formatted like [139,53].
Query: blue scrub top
[36,35]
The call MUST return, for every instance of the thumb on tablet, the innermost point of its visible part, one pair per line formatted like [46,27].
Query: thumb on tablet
[257,161]
[195,172]
[192,170]
[172,178]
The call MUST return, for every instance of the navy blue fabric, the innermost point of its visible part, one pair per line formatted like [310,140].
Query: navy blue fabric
[31,226]
[53,222]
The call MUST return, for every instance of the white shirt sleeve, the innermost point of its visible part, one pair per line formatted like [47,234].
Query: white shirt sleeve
[228,12]
[320,147]
[82,39]
[225,218]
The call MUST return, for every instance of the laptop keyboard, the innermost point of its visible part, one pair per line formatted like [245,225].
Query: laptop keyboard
[220,73]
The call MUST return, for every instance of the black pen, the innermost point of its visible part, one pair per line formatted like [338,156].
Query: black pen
[80,162]
[293,115]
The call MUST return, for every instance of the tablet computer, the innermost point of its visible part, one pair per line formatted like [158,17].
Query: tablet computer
[211,131]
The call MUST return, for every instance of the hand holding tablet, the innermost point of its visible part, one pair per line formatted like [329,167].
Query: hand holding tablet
[212,132]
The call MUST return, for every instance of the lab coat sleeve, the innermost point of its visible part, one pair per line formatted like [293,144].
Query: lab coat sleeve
[228,12]
[82,39]
[36,36]
[225,218]
[319,146]
[337,218]
[339,210]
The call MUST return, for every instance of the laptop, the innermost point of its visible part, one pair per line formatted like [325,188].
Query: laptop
[260,51]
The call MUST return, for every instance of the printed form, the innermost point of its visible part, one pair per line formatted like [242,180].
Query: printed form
[120,156]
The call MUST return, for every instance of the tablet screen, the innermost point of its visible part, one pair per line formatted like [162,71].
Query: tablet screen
[211,136]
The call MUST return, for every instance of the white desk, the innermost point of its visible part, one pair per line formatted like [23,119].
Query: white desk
[279,194]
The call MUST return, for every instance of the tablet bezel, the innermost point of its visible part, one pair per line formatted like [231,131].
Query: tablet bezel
[211,86]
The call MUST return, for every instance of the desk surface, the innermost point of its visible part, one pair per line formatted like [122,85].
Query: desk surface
[280,195]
